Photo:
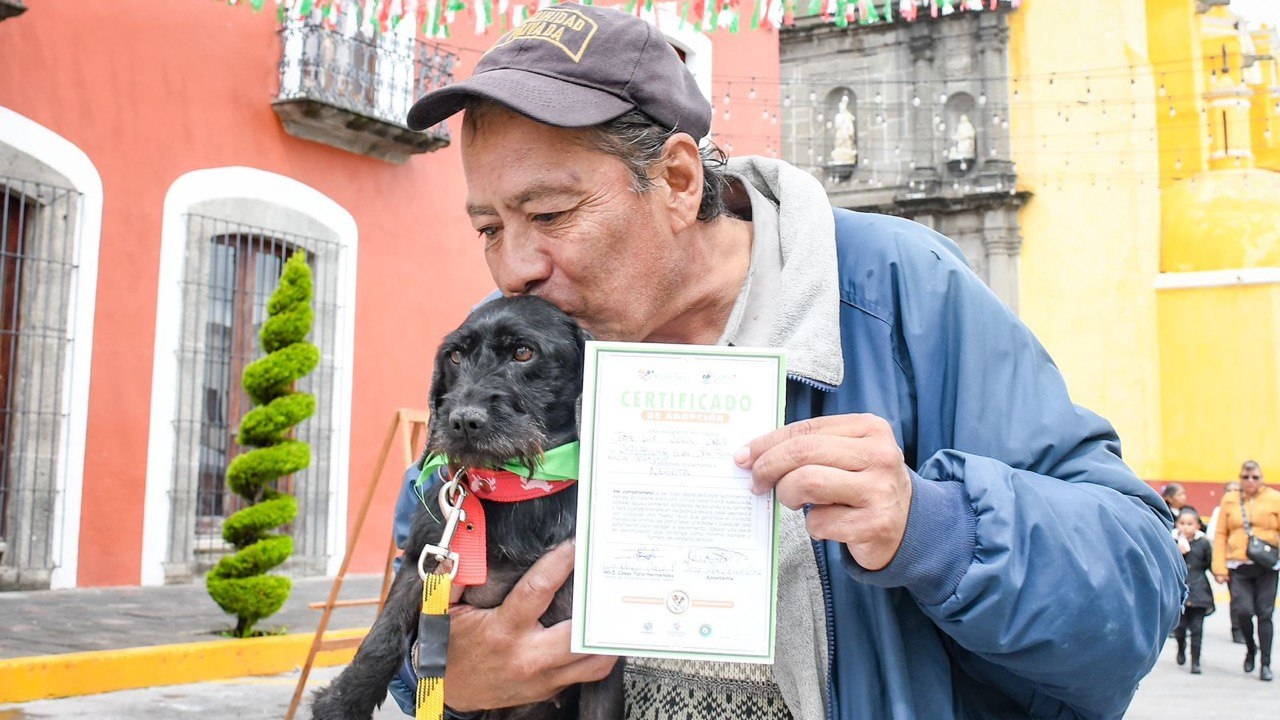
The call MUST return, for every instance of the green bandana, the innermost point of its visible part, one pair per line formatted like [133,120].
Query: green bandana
[559,464]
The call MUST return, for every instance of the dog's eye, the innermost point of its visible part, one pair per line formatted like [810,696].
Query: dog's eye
[455,357]
[523,354]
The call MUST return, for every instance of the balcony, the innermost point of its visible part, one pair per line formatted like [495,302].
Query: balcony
[11,8]
[352,91]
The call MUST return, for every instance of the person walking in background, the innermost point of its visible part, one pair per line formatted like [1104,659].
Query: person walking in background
[1175,496]
[1237,637]
[1211,528]
[1253,588]
[1197,551]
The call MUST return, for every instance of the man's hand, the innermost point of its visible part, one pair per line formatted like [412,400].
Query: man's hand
[1222,579]
[849,470]
[503,656]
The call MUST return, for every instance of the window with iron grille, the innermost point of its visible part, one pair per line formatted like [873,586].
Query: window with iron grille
[231,270]
[37,263]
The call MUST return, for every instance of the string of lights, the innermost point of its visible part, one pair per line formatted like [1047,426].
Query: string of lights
[1099,123]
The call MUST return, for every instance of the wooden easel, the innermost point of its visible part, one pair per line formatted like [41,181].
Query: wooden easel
[410,426]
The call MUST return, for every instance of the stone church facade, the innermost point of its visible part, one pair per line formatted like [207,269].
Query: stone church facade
[911,119]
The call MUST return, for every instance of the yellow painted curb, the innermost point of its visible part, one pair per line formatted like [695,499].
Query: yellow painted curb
[88,673]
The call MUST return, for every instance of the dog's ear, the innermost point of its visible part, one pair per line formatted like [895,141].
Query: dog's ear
[438,383]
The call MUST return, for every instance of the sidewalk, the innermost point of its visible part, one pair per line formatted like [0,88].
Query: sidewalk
[132,639]
[1223,692]
[59,643]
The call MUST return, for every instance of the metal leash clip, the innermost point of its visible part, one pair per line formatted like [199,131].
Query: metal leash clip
[450,498]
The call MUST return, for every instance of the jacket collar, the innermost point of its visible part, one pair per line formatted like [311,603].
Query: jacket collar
[791,297]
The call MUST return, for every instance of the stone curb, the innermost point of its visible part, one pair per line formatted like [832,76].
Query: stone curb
[85,673]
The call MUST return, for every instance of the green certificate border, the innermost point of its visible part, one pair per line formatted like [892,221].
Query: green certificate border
[586,487]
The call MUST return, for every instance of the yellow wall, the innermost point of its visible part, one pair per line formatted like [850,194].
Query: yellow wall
[1222,220]
[1174,43]
[1266,103]
[1220,358]
[1220,365]
[1091,230]
[1130,199]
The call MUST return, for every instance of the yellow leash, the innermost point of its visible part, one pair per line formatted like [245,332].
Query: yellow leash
[435,616]
[433,624]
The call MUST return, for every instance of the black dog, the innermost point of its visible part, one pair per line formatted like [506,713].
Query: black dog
[505,387]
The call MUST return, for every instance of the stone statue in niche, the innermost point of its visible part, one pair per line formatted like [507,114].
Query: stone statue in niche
[843,149]
[964,142]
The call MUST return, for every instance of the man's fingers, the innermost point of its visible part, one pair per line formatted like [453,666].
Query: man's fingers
[581,668]
[587,668]
[817,485]
[849,426]
[833,451]
[531,596]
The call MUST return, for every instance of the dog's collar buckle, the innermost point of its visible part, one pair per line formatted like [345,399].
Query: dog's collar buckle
[452,495]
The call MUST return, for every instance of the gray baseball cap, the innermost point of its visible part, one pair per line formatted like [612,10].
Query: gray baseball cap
[576,66]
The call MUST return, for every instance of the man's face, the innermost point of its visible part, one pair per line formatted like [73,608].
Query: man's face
[563,222]
[1250,481]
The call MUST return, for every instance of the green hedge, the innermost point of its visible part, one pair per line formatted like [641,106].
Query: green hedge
[238,583]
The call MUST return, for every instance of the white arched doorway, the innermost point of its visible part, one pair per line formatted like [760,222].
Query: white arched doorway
[211,218]
[52,195]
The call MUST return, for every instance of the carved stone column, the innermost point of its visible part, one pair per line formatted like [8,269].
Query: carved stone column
[997,171]
[924,179]
[1002,242]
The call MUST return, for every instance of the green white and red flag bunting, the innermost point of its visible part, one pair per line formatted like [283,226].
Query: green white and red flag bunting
[434,18]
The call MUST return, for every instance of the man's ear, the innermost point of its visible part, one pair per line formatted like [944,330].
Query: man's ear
[680,178]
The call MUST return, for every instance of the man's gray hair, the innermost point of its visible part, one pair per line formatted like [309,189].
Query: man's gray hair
[639,142]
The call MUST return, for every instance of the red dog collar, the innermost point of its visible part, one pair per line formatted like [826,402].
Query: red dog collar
[498,486]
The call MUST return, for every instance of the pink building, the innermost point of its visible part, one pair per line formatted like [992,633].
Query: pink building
[157,163]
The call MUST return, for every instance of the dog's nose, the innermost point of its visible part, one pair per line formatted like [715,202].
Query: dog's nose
[468,420]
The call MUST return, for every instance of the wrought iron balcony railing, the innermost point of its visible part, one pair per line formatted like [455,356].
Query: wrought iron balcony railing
[353,91]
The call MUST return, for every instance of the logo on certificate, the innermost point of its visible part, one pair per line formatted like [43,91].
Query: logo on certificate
[678,602]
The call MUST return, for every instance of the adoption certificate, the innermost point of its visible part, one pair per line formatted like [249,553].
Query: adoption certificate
[675,556]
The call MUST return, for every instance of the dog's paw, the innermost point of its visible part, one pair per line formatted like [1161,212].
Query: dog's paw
[326,705]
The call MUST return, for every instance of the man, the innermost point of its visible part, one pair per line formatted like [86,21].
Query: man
[979,548]
[1252,511]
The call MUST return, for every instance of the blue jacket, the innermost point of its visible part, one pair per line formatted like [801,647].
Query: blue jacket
[1037,577]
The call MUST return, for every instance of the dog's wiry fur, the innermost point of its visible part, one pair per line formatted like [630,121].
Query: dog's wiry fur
[489,405]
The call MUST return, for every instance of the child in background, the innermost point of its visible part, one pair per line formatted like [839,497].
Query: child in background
[1197,551]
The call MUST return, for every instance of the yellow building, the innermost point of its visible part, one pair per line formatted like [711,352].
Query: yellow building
[1151,261]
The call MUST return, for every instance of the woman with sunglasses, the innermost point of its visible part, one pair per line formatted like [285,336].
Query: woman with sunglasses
[1253,587]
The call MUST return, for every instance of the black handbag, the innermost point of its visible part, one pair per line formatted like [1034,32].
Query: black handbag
[1259,551]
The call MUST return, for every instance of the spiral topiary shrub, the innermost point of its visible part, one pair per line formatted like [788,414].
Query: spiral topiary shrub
[239,583]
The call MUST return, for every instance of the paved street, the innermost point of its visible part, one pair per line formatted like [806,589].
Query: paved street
[264,698]
[1223,691]
[49,622]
